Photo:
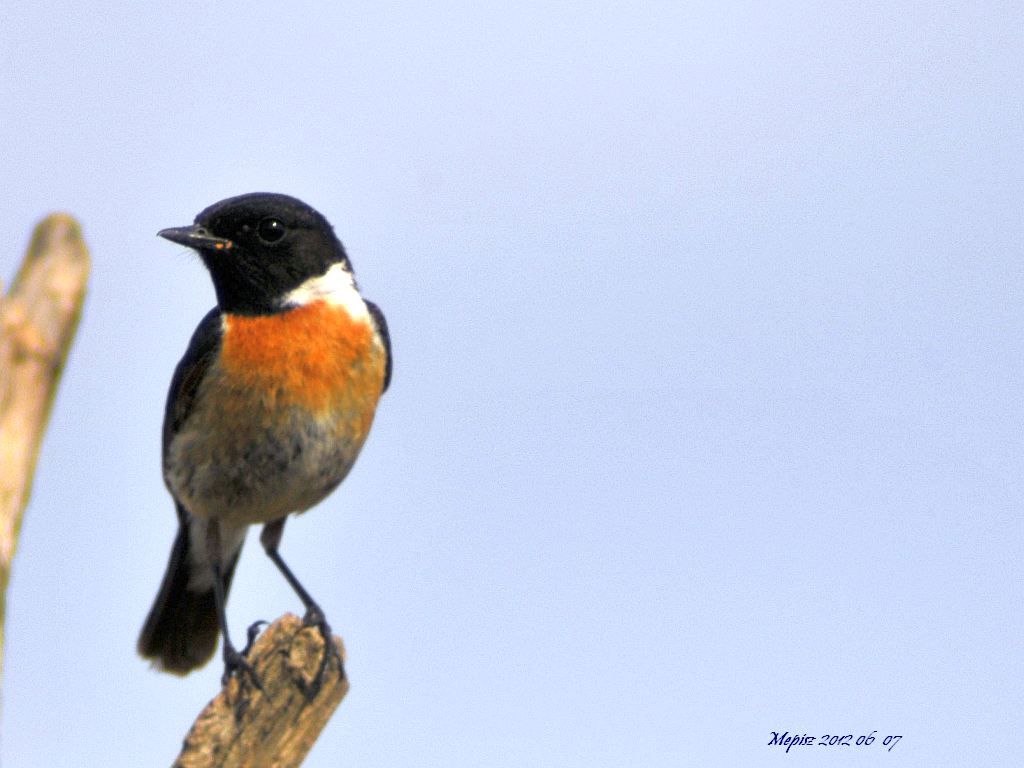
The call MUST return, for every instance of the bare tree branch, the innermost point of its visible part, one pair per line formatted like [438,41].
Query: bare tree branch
[246,728]
[38,318]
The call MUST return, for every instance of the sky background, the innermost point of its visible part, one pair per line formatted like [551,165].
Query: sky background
[706,414]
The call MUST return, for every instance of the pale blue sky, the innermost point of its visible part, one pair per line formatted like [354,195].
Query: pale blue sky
[706,417]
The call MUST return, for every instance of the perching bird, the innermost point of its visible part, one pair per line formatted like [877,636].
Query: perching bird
[267,410]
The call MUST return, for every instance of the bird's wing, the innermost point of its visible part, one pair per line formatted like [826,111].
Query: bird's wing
[382,329]
[202,350]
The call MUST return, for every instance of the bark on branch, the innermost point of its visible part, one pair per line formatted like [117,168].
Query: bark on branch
[246,728]
[38,318]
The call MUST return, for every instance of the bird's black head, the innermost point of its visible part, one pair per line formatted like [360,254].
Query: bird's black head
[258,247]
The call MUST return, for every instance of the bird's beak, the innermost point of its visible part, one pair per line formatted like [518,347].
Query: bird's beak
[196,237]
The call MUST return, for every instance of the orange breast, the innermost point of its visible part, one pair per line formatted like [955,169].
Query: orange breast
[316,356]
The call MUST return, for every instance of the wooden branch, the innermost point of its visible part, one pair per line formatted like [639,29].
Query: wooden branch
[38,318]
[246,728]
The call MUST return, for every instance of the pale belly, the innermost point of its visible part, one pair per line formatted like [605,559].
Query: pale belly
[238,465]
[256,475]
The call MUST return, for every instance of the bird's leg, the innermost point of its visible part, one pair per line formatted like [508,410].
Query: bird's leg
[270,538]
[233,660]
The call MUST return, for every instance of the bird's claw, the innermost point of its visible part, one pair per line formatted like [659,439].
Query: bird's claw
[315,618]
[235,664]
[251,634]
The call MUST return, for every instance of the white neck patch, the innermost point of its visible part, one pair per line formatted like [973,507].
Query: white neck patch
[336,286]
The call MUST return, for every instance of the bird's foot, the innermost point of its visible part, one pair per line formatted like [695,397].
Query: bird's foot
[315,618]
[236,664]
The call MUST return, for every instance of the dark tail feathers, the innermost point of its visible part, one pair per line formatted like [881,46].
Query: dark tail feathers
[180,633]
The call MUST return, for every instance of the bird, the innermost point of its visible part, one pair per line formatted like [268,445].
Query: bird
[266,413]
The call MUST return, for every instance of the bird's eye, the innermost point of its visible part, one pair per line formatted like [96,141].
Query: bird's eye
[270,230]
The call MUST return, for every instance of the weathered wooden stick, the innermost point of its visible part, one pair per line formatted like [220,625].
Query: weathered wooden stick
[244,727]
[38,318]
